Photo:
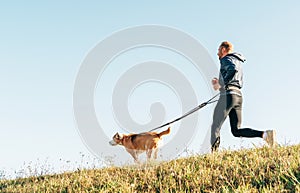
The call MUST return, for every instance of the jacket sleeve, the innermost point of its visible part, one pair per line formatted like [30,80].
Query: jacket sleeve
[228,71]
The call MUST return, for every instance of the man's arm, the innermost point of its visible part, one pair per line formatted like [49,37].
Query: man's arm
[229,70]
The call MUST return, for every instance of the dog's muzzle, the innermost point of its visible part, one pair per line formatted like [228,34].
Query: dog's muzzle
[113,143]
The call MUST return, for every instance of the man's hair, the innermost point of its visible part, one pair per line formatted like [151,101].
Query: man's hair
[227,45]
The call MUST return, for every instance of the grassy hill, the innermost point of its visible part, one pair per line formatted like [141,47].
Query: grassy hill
[252,170]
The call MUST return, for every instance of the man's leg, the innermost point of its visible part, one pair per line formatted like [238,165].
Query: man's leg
[219,116]
[235,116]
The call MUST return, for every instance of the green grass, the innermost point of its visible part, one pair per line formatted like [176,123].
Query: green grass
[250,170]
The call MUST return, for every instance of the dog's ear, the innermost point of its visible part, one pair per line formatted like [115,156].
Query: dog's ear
[118,136]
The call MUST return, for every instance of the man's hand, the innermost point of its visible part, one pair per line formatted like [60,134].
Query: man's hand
[215,83]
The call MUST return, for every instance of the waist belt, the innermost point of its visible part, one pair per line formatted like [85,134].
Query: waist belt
[232,90]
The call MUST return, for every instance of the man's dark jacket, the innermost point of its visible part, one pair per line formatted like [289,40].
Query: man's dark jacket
[231,72]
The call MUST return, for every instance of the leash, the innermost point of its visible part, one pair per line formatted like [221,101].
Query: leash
[189,112]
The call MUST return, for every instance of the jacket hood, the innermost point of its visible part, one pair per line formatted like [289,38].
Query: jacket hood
[238,56]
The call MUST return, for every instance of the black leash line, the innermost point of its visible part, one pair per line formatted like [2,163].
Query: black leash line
[189,112]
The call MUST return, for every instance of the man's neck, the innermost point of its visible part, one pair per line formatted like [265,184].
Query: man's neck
[225,54]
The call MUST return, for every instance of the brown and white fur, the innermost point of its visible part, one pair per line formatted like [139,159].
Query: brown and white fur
[138,143]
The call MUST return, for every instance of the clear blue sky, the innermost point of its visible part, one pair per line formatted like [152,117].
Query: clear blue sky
[43,44]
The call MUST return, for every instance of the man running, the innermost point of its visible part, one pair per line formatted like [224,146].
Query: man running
[229,83]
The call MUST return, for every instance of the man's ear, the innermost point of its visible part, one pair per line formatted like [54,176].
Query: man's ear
[224,51]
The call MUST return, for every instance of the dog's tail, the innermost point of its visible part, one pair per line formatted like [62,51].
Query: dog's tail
[164,132]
